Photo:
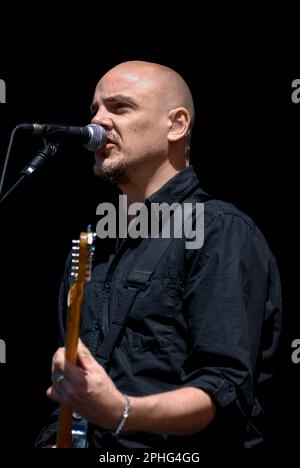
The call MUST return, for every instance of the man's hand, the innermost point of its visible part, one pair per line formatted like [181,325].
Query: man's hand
[87,390]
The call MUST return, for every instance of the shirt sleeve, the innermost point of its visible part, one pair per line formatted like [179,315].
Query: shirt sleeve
[233,307]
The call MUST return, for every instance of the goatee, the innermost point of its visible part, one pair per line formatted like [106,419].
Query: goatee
[115,174]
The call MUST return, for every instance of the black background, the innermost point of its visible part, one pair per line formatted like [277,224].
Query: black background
[244,148]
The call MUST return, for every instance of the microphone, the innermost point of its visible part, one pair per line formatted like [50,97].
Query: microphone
[93,136]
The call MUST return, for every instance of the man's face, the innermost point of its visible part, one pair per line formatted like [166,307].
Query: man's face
[129,104]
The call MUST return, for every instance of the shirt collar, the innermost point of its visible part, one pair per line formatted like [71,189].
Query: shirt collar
[177,188]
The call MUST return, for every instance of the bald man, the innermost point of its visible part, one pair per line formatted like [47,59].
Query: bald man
[186,369]
[149,134]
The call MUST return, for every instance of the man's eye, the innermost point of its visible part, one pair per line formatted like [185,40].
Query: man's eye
[119,106]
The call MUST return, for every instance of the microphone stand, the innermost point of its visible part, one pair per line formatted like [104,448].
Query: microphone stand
[48,150]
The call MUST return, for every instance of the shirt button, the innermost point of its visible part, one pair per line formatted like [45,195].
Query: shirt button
[97,326]
[231,388]
[106,285]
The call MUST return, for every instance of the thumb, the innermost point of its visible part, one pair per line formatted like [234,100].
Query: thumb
[85,357]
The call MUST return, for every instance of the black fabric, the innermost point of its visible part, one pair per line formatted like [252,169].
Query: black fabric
[136,281]
[210,318]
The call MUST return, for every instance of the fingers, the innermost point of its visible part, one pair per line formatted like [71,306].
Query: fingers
[58,361]
[68,380]
[54,394]
[56,391]
[63,392]
[60,365]
[85,357]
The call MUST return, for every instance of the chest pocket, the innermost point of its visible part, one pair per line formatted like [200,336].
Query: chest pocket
[155,319]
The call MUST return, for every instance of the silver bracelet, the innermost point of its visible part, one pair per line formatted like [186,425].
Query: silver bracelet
[124,417]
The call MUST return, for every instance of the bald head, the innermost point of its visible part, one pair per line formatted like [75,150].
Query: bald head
[164,83]
[148,112]
[165,88]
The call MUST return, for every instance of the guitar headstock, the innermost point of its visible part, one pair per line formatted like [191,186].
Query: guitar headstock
[82,256]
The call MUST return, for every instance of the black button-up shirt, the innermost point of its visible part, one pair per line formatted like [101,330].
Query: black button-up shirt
[210,318]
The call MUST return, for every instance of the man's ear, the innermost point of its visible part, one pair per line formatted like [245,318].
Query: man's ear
[179,123]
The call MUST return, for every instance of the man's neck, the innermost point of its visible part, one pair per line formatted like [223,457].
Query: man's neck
[143,187]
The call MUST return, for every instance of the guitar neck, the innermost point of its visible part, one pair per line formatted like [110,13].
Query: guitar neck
[76,294]
[64,435]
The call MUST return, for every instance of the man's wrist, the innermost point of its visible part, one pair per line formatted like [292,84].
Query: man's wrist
[124,417]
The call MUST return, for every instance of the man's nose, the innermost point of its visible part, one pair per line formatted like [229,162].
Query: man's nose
[102,120]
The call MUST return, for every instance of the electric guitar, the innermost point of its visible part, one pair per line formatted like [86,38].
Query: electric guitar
[72,428]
